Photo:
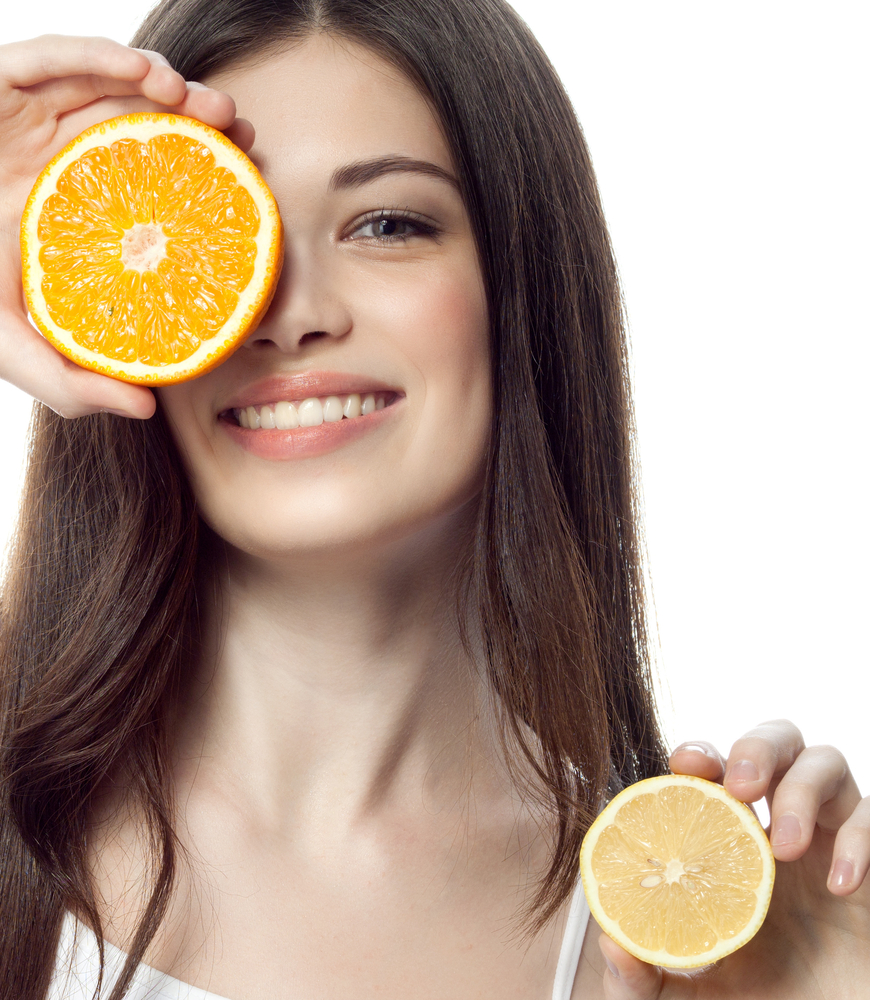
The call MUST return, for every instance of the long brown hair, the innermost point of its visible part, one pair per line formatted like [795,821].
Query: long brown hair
[99,605]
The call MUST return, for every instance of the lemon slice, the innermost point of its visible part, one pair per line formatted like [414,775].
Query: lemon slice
[677,871]
[150,247]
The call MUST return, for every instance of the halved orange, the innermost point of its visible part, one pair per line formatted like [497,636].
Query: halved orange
[150,247]
[677,871]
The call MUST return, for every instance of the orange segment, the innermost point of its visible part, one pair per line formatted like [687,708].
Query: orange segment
[151,247]
[677,871]
[230,262]
[134,180]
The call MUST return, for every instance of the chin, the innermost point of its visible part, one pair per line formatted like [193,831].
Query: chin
[323,532]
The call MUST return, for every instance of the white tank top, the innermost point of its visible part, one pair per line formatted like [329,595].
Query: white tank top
[78,963]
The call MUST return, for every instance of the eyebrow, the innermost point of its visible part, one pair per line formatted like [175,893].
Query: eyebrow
[363,171]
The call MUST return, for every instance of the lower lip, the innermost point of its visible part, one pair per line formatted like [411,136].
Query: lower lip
[307,442]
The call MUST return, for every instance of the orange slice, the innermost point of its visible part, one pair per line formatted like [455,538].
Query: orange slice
[677,871]
[150,247]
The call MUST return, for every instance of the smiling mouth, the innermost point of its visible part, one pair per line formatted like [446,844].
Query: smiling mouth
[288,415]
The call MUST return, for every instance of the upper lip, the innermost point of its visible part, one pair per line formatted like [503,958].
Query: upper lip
[275,388]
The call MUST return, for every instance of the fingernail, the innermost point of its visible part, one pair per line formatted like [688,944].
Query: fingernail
[742,770]
[841,874]
[696,747]
[786,831]
[611,968]
[117,413]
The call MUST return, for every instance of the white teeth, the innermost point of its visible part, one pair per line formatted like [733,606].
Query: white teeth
[332,410]
[286,417]
[310,412]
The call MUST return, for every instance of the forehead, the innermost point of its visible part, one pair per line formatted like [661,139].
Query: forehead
[326,101]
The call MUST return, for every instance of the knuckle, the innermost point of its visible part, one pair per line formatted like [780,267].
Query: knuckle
[156,58]
[827,764]
[781,729]
[860,818]
[71,404]
[754,744]
[778,737]
[856,829]
[829,755]
[96,50]
[794,789]
[69,411]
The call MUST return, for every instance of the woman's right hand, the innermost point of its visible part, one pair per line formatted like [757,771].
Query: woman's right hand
[51,89]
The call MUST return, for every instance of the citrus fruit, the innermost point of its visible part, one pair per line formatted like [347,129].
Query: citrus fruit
[150,246]
[677,871]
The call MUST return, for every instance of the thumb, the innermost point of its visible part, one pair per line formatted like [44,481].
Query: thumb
[627,978]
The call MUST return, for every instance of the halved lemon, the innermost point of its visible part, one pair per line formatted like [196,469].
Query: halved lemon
[677,871]
[150,247]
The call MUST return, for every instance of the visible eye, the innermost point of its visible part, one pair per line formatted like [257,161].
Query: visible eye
[391,227]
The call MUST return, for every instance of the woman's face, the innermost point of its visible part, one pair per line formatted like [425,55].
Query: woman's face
[381,295]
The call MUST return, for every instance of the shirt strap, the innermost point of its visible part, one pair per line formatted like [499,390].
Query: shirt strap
[572,944]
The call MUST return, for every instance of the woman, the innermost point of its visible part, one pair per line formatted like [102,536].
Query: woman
[262,692]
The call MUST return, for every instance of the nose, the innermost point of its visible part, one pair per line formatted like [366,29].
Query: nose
[308,305]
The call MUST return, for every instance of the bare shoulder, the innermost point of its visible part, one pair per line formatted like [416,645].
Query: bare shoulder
[124,866]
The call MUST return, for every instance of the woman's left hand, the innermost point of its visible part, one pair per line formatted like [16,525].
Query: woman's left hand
[815,941]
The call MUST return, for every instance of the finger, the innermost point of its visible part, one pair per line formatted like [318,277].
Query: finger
[759,759]
[73,85]
[241,132]
[209,106]
[49,57]
[160,84]
[60,96]
[213,107]
[817,788]
[698,758]
[627,978]
[851,856]
[32,364]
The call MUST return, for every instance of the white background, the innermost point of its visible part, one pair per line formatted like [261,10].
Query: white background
[730,142]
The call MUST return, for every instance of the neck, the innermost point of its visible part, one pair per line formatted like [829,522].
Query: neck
[336,687]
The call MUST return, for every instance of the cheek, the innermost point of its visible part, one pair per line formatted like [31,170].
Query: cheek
[186,415]
[177,407]
[437,320]
[455,335]
[444,334]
